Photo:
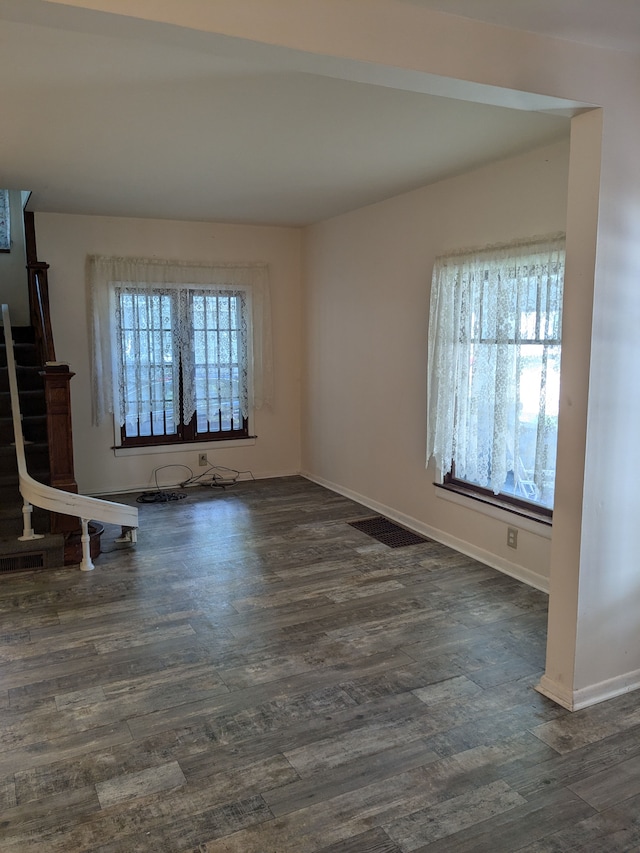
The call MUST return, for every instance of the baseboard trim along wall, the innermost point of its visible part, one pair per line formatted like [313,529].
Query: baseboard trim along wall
[492,560]
[575,700]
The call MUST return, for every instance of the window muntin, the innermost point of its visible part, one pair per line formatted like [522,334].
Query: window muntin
[183,364]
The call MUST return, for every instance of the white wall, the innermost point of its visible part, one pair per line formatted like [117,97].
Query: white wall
[368,276]
[14,289]
[64,241]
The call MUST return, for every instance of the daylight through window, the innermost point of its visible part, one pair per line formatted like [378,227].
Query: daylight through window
[169,392]
[5,222]
[494,368]
[179,351]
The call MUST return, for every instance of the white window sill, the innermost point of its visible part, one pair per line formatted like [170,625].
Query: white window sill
[187,447]
[524,522]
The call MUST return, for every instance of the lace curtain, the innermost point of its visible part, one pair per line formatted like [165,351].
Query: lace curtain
[172,282]
[5,222]
[493,372]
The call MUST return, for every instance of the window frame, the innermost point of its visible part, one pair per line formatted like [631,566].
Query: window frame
[504,500]
[103,273]
[463,262]
[186,433]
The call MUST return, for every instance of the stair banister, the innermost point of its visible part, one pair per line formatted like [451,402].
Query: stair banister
[49,498]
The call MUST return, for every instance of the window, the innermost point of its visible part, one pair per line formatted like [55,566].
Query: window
[494,369]
[179,352]
[194,392]
[5,222]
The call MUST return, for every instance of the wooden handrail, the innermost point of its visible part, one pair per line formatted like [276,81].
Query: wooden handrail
[38,280]
[47,497]
[39,310]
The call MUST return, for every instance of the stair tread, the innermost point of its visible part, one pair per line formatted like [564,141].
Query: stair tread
[45,553]
[10,545]
[20,334]
[34,418]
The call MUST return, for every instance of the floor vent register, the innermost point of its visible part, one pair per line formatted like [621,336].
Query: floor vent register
[388,532]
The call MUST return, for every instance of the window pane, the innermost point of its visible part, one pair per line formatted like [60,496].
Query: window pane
[494,367]
[532,420]
[216,349]
[182,349]
[5,221]
[146,345]
[507,377]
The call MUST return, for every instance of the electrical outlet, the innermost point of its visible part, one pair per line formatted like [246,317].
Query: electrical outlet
[512,537]
[202,460]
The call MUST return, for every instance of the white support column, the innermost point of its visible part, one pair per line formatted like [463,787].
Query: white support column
[559,680]
[28,533]
[86,565]
[127,535]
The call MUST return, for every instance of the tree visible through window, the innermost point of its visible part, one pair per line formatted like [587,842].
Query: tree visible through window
[494,368]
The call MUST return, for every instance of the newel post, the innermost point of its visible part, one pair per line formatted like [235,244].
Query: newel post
[58,398]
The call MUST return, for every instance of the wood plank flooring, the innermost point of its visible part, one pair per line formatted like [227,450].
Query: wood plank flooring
[259,677]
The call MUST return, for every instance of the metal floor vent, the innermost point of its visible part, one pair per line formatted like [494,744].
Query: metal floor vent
[21,562]
[388,532]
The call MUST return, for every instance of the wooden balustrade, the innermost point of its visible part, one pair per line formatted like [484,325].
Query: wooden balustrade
[38,282]
[57,378]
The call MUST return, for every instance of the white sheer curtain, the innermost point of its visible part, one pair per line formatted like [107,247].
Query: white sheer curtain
[5,220]
[107,276]
[493,371]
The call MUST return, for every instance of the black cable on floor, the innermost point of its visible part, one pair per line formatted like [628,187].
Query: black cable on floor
[159,497]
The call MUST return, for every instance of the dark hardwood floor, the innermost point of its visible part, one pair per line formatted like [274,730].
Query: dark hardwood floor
[257,676]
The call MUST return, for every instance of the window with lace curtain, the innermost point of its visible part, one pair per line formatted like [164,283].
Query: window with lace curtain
[155,372]
[5,222]
[180,352]
[494,370]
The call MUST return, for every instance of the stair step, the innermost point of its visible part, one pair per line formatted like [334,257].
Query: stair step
[10,484]
[20,334]
[31,403]
[34,428]
[37,460]
[25,354]
[29,378]
[12,521]
[45,553]
[33,450]
[6,431]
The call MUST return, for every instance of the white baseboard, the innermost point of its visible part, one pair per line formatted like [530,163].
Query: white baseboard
[574,700]
[518,572]
[558,693]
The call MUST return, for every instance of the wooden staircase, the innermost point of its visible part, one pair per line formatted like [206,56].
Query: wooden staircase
[47,552]
[44,472]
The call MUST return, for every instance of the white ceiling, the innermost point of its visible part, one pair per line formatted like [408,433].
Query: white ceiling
[613,24]
[135,123]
